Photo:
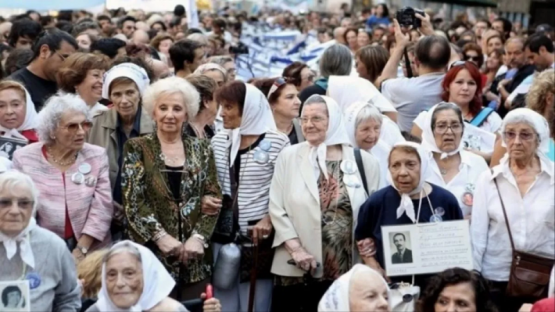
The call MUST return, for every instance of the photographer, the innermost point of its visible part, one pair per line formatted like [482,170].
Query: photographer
[409,95]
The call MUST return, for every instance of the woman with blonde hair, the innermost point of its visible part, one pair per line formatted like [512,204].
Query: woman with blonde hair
[89,273]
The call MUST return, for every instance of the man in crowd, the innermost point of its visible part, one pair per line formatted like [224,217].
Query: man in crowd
[515,58]
[410,96]
[324,35]
[403,254]
[111,47]
[539,49]
[126,26]
[339,35]
[49,52]
[480,28]
[23,33]
[140,37]
[105,23]
[503,26]
[186,56]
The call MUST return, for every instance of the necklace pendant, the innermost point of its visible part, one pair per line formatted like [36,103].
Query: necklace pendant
[443,171]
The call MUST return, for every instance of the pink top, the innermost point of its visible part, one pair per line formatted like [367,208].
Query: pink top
[90,208]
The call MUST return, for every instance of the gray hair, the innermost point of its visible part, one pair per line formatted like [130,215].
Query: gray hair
[211,67]
[172,85]
[125,246]
[51,114]
[446,106]
[316,99]
[337,60]
[13,178]
[221,60]
[366,113]
[200,38]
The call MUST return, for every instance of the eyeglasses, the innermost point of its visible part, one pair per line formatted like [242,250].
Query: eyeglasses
[473,58]
[523,136]
[313,120]
[442,128]
[6,203]
[73,127]
[309,78]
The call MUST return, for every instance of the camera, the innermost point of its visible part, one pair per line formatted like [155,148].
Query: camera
[240,48]
[407,17]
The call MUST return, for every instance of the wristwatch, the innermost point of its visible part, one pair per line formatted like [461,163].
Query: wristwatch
[82,249]
[201,239]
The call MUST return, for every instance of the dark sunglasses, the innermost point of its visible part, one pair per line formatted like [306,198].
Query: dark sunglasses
[473,58]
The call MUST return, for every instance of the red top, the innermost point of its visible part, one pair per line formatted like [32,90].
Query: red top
[544,305]
[68,231]
[30,135]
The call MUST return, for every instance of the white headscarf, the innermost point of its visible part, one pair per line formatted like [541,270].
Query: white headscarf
[336,134]
[406,204]
[257,119]
[537,121]
[30,121]
[428,139]
[127,70]
[23,239]
[347,90]
[336,298]
[210,66]
[157,283]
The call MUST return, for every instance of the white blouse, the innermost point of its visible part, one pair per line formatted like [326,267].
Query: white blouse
[471,167]
[531,218]
[381,151]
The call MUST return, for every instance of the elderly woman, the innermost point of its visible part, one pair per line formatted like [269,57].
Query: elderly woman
[202,125]
[123,85]
[299,74]
[452,167]
[83,74]
[246,152]
[133,279]
[456,289]
[213,71]
[540,98]
[408,200]
[360,289]
[31,254]
[283,98]
[166,178]
[322,176]
[364,123]
[349,90]
[72,176]
[18,117]
[336,60]
[523,220]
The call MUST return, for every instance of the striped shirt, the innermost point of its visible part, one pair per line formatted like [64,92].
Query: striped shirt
[254,178]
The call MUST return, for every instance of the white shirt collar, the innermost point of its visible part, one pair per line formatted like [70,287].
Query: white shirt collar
[546,167]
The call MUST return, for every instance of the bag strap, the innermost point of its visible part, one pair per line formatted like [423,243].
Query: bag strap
[504,212]
[479,119]
[360,165]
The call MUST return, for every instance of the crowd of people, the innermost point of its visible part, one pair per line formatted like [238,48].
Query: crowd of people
[139,172]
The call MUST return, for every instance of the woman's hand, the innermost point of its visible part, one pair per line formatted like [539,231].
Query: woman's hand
[192,249]
[170,246]
[262,230]
[304,260]
[210,205]
[212,305]
[366,247]
[78,256]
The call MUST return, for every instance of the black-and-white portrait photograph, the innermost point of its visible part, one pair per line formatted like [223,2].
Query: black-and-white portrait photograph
[14,296]
[401,249]
[8,146]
